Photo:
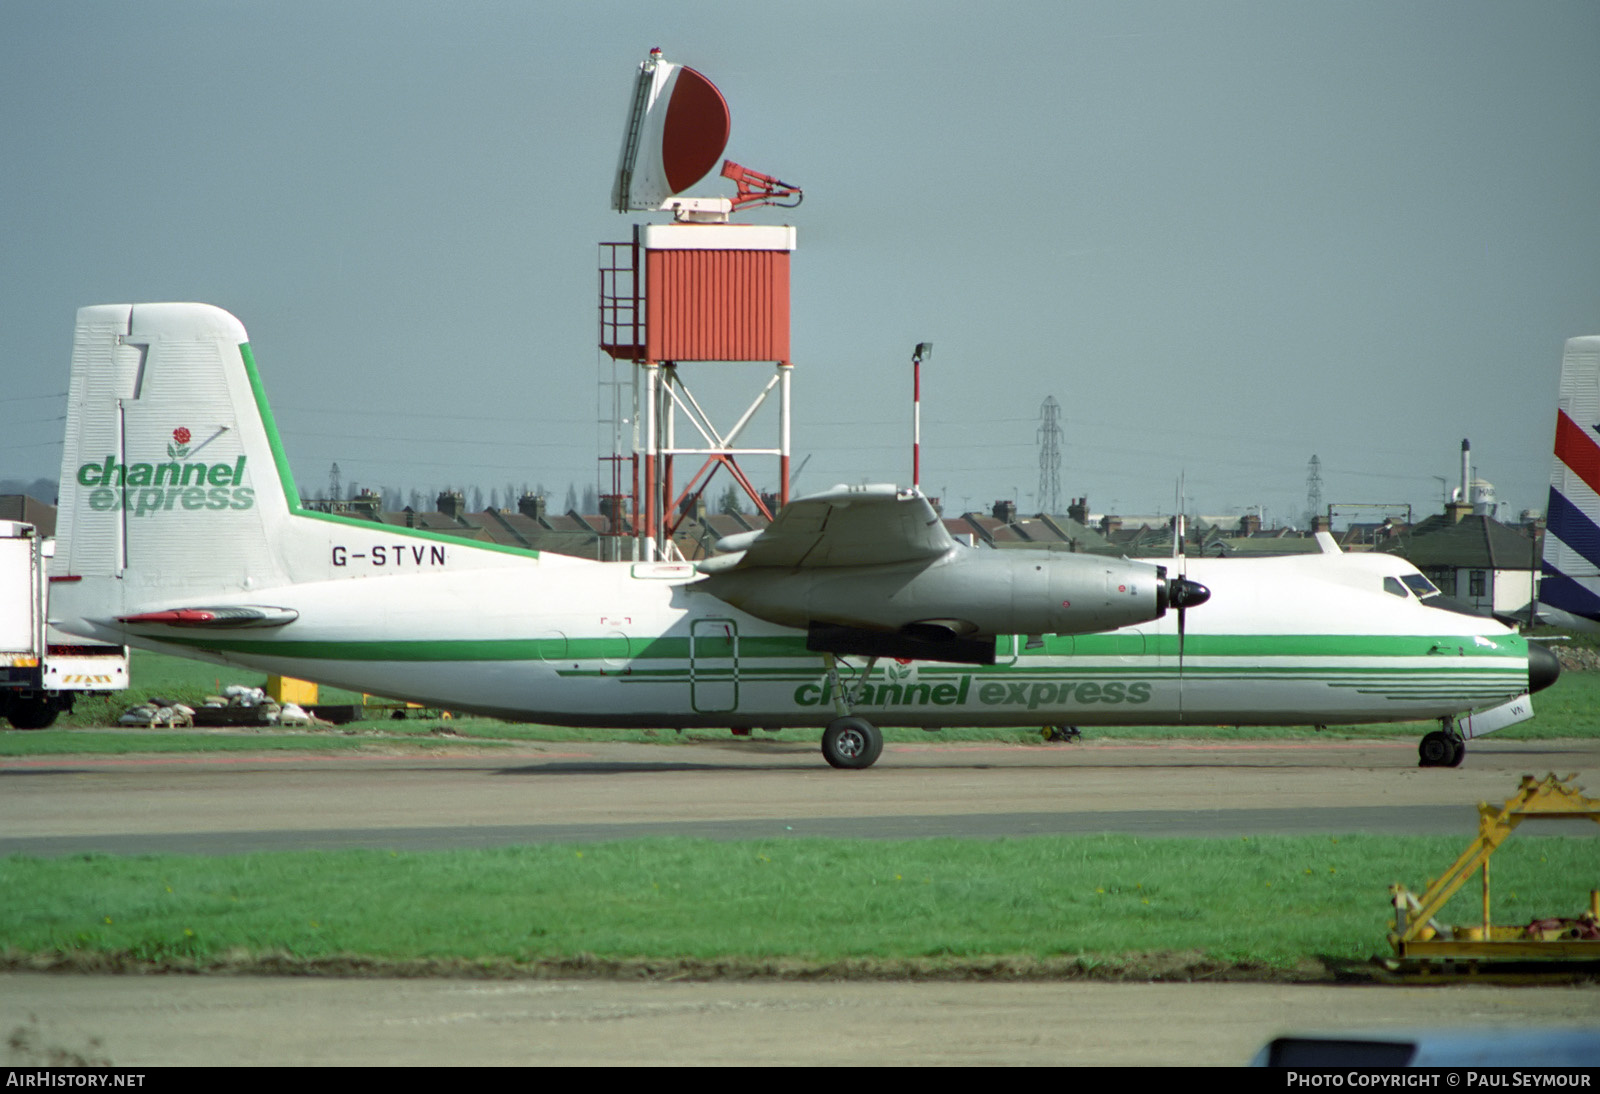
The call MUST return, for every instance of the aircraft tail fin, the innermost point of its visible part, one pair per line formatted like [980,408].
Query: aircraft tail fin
[178,508]
[1571,567]
[168,477]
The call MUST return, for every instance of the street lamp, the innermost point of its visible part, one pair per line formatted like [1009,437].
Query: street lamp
[923,352]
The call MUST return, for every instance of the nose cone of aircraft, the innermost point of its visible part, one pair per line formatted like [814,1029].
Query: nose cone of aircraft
[1543,668]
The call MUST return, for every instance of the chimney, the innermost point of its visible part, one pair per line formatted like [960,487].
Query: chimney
[367,504]
[1079,510]
[614,507]
[1321,524]
[452,504]
[531,506]
[1005,511]
[1461,504]
[1249,524]
[1110,525]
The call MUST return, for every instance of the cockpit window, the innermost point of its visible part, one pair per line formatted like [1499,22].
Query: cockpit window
[1420,585]
[1392,585]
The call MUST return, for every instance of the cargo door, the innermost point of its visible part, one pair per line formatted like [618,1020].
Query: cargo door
[713,665]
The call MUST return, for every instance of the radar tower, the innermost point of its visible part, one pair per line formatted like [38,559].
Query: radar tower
[698,289]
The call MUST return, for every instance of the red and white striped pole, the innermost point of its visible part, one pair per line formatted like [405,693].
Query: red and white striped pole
[923,350]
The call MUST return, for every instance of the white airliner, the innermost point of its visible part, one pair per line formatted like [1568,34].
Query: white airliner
[180,531]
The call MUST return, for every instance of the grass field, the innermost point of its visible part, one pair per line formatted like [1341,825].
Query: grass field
[1258,907]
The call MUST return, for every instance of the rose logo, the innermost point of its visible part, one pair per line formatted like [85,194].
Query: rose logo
[179,446]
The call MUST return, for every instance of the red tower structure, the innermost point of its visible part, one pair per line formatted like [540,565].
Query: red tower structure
[696,290]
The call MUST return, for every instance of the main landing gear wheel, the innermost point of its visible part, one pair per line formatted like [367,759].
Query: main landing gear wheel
[1441,749]
[851,743]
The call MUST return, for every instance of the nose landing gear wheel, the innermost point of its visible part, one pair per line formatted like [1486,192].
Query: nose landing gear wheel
[1441,749]
[851,743]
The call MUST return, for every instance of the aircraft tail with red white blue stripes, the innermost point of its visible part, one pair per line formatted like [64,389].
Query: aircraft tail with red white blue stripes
[1569,594]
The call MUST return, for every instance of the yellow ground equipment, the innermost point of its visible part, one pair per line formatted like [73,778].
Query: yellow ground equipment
[286,689]
[1419,939]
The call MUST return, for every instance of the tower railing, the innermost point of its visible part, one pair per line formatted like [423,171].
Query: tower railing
[622,329]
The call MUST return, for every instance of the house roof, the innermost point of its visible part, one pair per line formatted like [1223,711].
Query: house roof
[1474,541]
[1257,546]
[29,510]
[990,530]
[1083,537]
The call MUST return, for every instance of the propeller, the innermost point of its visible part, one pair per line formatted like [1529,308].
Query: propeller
[1182,594]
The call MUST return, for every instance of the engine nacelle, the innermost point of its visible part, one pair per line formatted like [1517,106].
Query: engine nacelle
[963,594]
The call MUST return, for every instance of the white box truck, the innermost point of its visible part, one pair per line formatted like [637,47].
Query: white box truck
[43,670]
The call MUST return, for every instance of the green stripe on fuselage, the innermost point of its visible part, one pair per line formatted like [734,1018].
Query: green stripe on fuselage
[1413,648]
[1294,645]
[291,493]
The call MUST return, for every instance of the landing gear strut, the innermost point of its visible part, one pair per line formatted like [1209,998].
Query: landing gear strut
[1443,747]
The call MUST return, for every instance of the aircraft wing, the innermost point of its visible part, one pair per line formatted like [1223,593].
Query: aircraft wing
[871,570]
[845,526]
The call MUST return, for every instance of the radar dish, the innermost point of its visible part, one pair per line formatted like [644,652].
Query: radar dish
[678,125]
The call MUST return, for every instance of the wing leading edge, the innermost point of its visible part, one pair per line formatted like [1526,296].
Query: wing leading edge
[871,525]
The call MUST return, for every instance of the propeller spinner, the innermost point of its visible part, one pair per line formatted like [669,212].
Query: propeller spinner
[1179,592]
[1184,594]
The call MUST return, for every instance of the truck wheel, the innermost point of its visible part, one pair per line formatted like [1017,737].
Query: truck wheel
[32,713]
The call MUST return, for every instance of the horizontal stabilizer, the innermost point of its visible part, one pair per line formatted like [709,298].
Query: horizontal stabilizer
[213,617]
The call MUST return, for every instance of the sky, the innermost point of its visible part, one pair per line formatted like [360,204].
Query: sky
[1225,235]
